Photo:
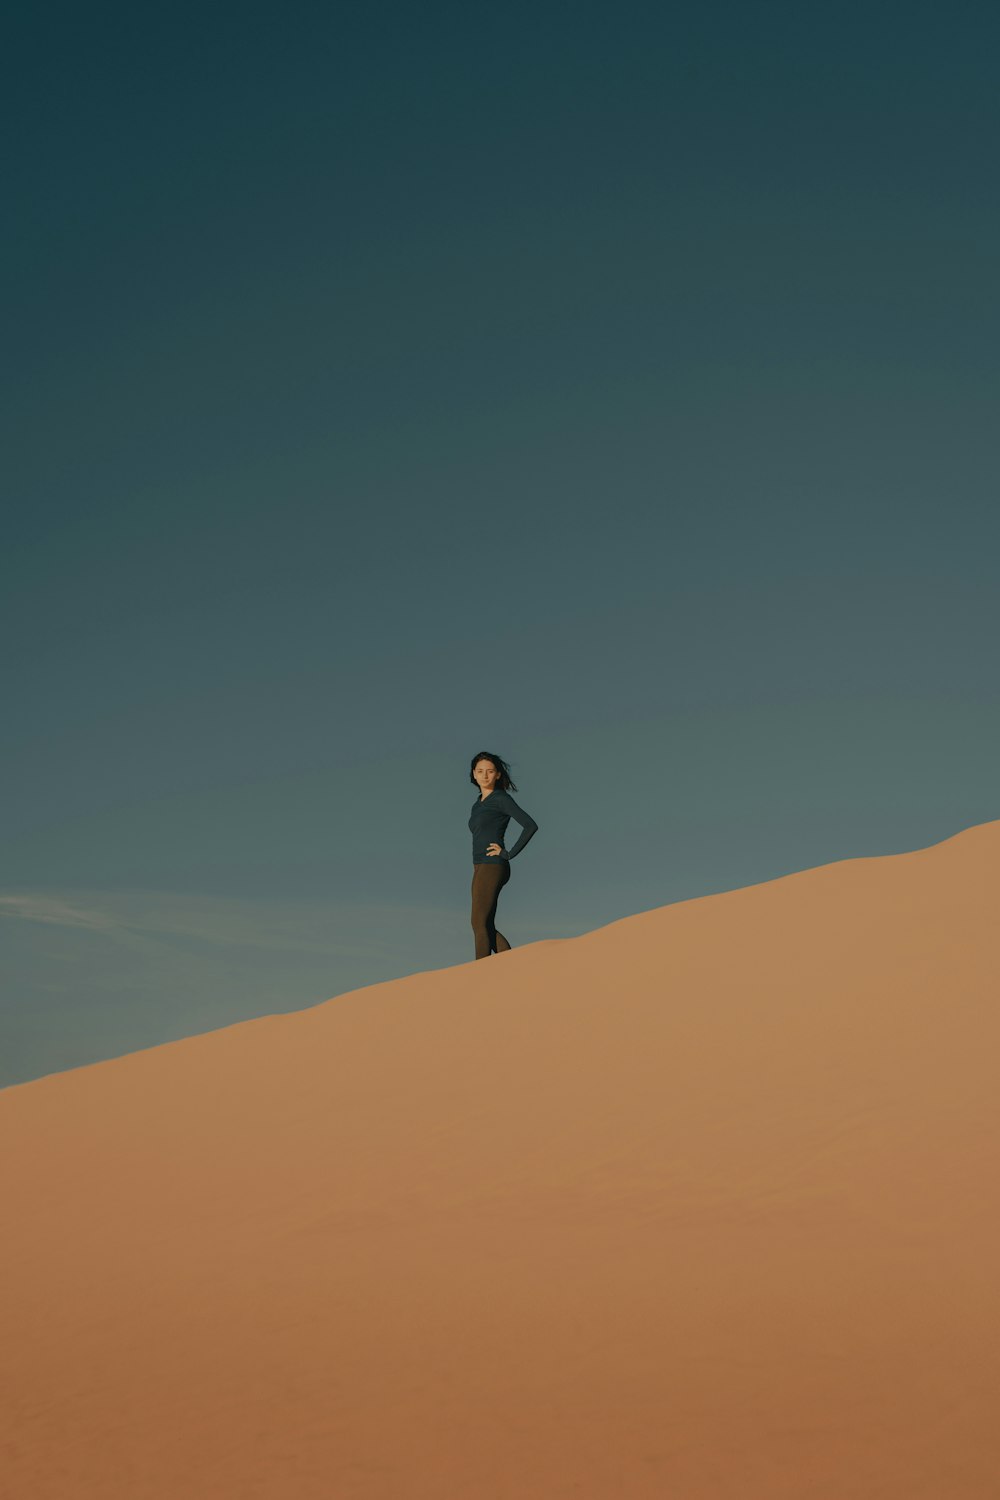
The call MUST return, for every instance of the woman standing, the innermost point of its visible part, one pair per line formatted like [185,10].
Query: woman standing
[491,812]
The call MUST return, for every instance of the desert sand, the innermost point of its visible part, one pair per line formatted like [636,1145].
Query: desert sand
[702,1205]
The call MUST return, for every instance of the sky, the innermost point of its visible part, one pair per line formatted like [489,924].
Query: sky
[611,388]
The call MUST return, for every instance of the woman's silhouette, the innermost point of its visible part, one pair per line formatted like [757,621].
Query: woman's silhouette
[491,812]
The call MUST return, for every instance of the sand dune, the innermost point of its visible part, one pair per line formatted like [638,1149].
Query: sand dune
[699,1206]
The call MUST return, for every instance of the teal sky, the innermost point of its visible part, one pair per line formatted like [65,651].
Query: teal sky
[612,387]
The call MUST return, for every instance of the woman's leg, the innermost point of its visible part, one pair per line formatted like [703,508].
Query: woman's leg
[500,943]
[487,883]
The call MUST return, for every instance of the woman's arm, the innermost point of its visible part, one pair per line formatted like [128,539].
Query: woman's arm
[528,825]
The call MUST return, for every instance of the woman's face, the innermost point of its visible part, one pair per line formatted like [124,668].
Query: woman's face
[486,774]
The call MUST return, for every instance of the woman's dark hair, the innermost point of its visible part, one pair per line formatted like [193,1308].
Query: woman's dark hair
[503,780]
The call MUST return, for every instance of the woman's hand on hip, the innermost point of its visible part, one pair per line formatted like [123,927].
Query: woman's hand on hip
[494,849]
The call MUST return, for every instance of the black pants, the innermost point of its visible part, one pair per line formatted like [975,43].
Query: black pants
[487,883]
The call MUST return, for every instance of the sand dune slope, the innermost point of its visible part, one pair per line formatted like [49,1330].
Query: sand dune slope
[700,1206]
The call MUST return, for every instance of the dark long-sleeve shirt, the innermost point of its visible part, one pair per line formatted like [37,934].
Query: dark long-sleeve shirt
[490,816]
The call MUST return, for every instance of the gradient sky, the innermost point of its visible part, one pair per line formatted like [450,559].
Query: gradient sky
[613,387]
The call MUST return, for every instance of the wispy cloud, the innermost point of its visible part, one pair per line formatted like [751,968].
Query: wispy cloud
[355,929]
[30,907]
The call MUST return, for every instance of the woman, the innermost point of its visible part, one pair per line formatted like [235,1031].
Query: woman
[491,812]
